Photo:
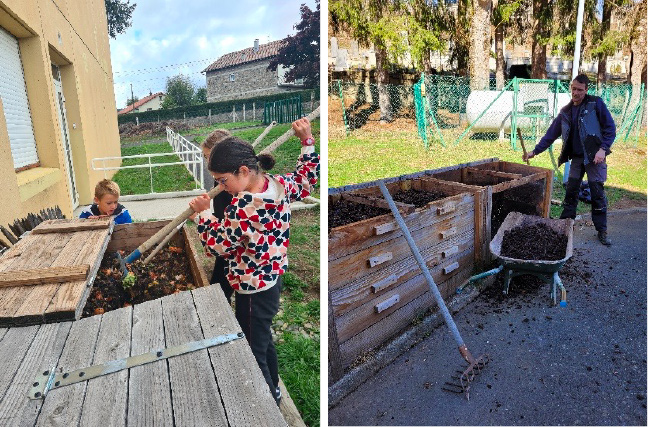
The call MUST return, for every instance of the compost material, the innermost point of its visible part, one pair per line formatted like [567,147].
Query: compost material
[344,212]
[168,273]
[534,242]
[416,197]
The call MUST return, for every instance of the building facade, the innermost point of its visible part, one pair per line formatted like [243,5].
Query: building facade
[56,104]
[148,103]
[244,74]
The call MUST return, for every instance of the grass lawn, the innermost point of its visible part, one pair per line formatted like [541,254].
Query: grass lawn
[165,178]
[370,155]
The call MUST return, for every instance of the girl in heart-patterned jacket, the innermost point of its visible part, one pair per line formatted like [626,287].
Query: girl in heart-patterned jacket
[253,234]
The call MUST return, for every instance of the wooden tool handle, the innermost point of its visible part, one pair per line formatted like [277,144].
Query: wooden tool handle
[521,140]
[289,133]
[263,134]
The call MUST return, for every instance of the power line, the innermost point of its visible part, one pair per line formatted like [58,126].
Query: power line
[163,67]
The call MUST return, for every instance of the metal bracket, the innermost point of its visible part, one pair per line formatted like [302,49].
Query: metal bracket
[50,380]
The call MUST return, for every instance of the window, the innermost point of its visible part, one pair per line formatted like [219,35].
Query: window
[232,77]
[16,108]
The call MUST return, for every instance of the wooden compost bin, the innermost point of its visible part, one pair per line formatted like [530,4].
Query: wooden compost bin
[376,289]
[127,237]
[513,186]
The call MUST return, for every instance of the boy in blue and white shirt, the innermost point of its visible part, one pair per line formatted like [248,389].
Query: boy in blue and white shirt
[106,203]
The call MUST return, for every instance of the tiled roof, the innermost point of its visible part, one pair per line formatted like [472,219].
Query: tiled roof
[139,103]
[244,56]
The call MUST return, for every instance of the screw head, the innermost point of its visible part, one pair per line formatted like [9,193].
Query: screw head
[65,375]
[81,374]
[57,384]
[35,384]
[37,394]
[46,373]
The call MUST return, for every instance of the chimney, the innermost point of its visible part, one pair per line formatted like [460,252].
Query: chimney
[256,45]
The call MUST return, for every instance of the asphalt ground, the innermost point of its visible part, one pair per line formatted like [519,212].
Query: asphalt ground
[584,364]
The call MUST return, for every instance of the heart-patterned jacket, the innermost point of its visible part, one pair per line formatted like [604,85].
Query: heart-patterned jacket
[253,235]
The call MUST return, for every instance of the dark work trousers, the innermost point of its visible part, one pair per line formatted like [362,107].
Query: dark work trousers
[596,174]
[220,276]
[254,313]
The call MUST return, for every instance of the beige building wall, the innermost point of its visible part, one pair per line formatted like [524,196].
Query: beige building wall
[71,34]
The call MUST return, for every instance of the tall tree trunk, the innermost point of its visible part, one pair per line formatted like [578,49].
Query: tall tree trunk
[479,45]
[382,78]
[461,38]
[539,46]
[498,48]
[606,24]
[639,53]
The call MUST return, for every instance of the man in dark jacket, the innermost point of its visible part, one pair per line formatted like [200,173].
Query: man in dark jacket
[587,130]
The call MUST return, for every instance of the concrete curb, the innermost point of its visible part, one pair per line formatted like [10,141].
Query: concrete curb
[410,337]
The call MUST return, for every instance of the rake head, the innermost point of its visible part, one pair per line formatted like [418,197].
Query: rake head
[465,377]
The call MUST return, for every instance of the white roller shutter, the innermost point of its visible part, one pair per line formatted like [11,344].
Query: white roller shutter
[15,105]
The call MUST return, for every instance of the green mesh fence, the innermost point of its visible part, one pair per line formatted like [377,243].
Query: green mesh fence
[284,111]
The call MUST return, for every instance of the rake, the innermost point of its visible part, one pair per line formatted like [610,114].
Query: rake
[474,365]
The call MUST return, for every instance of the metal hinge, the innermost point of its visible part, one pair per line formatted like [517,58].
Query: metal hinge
[49,379]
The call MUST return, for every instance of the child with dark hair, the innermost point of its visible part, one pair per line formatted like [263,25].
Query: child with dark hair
[220,203]
[253,235]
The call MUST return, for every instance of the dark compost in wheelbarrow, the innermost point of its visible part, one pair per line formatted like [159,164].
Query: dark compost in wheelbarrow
[534,242]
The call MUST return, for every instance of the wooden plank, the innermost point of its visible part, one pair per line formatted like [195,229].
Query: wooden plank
[518,182]
[13,347]
[360,318]
[43,250]
[107,396]
[70,298]
[403,208]
[127,237]
[43,276]
[43,354]
[149,400]
[71,226]
[549,188]
[349,268]
[198,273]
[494,174]
[361,291]
[245,394]
[62,406]
[390,326]
[352,238]
[33,305]
[195,397]
[334,354]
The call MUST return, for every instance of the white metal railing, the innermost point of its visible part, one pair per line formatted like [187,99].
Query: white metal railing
[182,148]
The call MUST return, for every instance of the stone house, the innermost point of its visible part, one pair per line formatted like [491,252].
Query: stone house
[57,107]
[244,74]
[148,103]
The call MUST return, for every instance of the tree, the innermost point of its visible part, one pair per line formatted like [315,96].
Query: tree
[508,17]
[425,26]
[638,66]
[377,22]
[130,101]
[479,45]
[301,52]
[200,96]
[119,16]
[180,92]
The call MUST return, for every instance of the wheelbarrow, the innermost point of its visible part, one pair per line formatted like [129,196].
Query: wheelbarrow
[547,271]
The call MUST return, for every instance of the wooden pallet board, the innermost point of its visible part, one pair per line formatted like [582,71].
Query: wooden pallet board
[220,386]
[71,225]
[39,302]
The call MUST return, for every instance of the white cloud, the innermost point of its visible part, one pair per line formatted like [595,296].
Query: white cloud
[168,37]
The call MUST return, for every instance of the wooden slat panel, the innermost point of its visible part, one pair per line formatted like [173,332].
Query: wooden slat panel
[43,251]
[62,406]
[107,396]
[517,182]
[43,354]
[128,237]
[494,174]
[33,304]
[195,397]
[71,226]
[349,268]
[13,347]
[362,317]
[400,319]
[360,291]
[149,399]
[43,276]
[239,378]
[70,298]
[334,353]
[355,237]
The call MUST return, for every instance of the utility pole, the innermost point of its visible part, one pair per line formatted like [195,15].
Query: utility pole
[132,98]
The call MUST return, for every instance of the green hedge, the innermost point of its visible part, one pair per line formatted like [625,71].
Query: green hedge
[201,110]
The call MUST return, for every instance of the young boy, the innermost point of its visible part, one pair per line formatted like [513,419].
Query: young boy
[106,203]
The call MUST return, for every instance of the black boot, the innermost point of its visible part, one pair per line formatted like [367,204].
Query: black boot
[603,238]
[571,198]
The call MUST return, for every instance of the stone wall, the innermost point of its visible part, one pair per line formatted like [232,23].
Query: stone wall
[250,80]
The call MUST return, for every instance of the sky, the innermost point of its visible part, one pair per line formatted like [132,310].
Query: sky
[168,37]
